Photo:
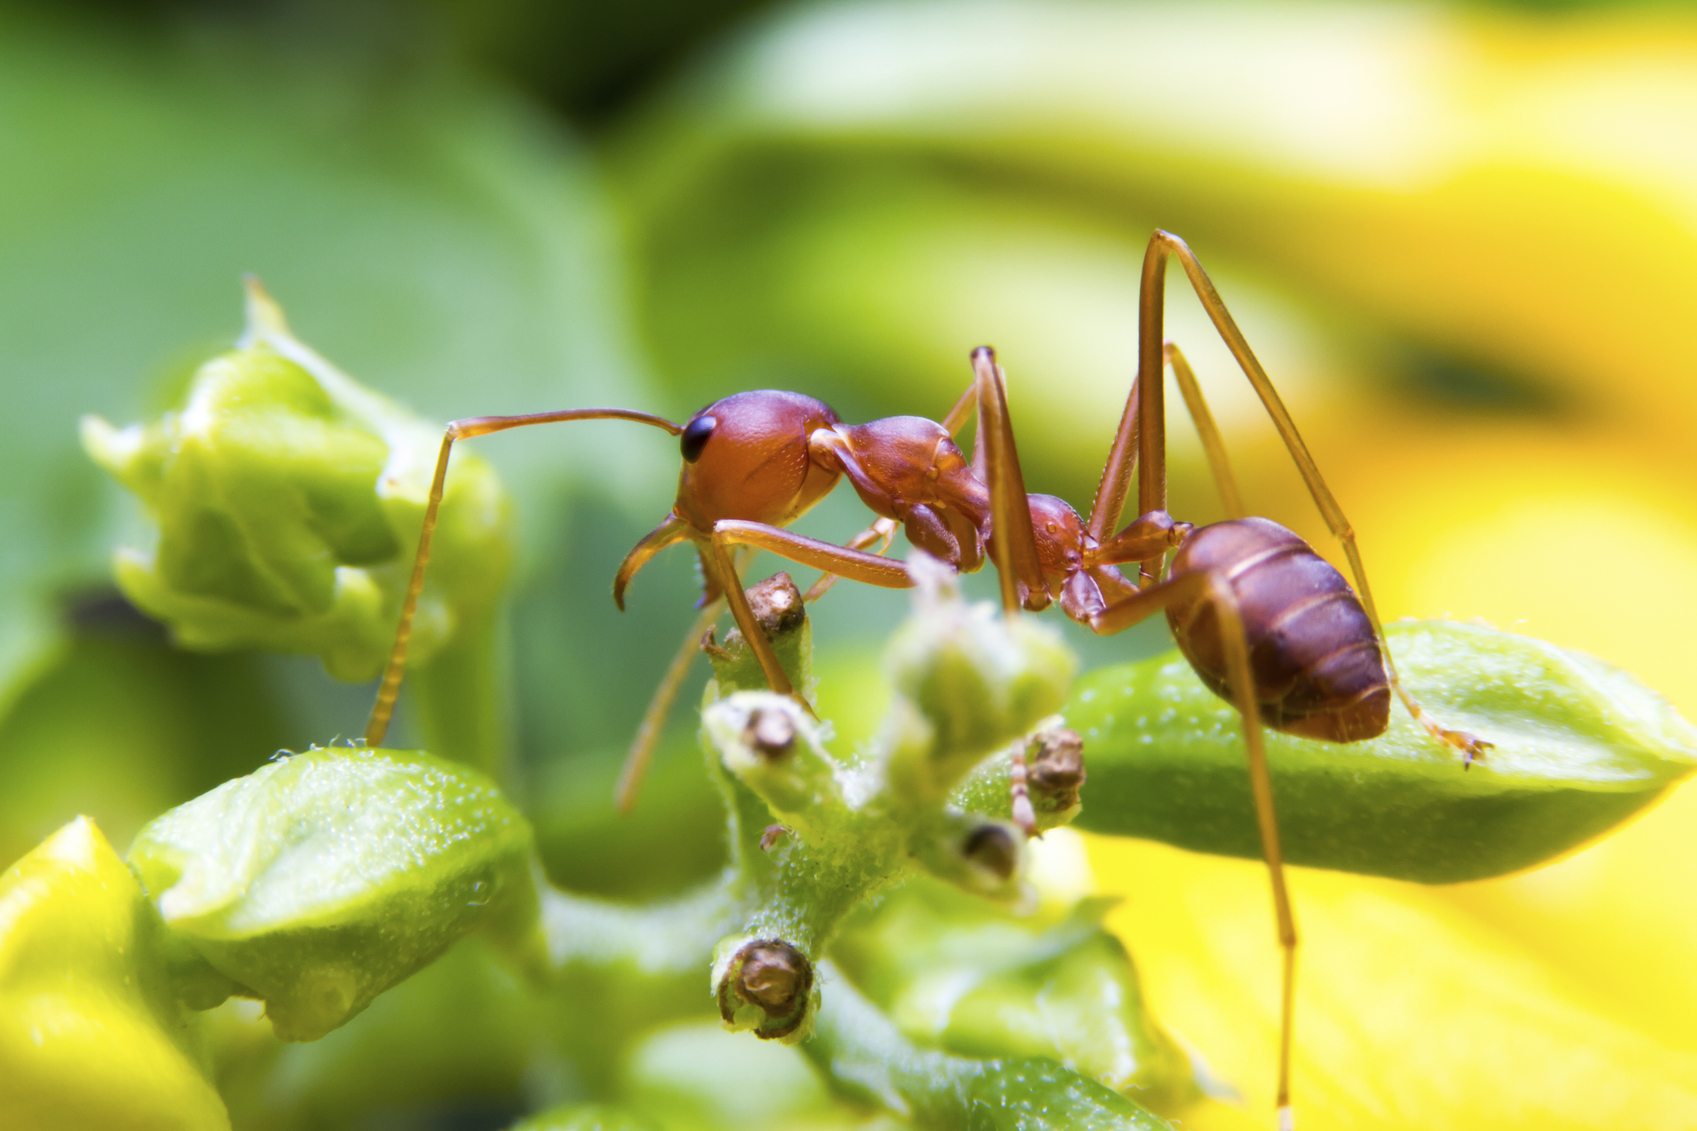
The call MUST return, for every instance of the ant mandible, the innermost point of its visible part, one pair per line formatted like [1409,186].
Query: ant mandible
[1266,622]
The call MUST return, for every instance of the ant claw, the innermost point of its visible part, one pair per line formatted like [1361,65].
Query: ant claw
[1471,746]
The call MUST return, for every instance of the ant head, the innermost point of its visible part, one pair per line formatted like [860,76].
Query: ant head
[746,457]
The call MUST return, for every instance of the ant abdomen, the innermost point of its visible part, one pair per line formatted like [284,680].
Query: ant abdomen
[1316,659]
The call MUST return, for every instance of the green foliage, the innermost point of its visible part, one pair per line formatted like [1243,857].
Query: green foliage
[871,1060]
[1578,747]
[979,981]
[322,879]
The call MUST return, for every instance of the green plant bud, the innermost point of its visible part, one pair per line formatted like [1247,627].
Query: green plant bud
[777,607]
[975,980]
[1577,746]
[90,1035]
[767,985]
[288,502]
[768,742]
[322,879]
[974,853]
[980,681]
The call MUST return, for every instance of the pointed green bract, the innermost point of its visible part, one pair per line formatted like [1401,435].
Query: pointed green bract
[1578,746]
[975,980]
[865,1056]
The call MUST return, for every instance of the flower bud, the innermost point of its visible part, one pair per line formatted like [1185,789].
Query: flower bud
[288,502]
[778,609]
[767,985]
[319,881]
[978,679]
[768,742]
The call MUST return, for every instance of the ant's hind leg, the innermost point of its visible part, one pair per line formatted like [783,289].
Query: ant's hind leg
[1213,444]
[1152,478]
[1137,606]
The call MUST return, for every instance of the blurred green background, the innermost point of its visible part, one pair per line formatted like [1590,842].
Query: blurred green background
[1463,238]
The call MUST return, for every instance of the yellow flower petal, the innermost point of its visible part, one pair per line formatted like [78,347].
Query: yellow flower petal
[87,1039]
[1411,1013]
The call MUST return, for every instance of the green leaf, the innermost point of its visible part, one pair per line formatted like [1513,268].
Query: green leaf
[322,879]
[1578,747]
[976,980]
[90,1036]
[865,1057]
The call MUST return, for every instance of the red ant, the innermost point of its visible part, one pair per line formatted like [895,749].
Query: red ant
[1266,622]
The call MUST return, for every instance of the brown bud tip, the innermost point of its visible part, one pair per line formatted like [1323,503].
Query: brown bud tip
[1056,769]
[777,605]
[771,734]
[986,352]
[773,976]
[993,848]
[771,835]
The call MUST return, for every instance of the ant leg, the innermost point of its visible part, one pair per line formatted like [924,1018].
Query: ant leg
[856,565]
[1151,480]
[1143,603]
[641,751]
[390,688]
[1115,483]
[1013,543]
[961,411]
[1212,444]
[882,532]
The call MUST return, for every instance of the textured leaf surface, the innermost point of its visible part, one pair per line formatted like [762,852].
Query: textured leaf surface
[1579,746]
[320,880]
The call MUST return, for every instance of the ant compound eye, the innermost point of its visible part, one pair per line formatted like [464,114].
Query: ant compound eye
[695,436]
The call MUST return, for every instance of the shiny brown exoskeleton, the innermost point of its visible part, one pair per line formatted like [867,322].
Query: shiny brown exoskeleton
[1312,649]
[1265,621]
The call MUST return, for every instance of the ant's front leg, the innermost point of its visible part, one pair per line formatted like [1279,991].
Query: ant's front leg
[854,564]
